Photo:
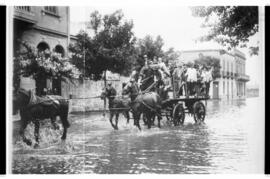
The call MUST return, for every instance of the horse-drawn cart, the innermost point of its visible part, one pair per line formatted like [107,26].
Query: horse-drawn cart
[175,109]
[152,100]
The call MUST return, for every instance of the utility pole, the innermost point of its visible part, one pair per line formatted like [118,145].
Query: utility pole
[105,85]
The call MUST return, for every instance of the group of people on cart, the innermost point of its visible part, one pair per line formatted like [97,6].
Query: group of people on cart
[186,79]
[192,79]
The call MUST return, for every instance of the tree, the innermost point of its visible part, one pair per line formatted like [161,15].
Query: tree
[150,47]
[209,61]
[230,26]
[110,48]
[41,65]
[171,55]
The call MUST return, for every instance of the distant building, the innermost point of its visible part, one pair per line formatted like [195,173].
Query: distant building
[253,90]
[232,83]
[44,27]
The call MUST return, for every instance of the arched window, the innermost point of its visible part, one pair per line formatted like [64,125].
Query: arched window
[59,49]
[42,46]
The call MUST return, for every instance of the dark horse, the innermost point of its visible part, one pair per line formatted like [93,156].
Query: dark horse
[117,105]
[146,103]
[33,109]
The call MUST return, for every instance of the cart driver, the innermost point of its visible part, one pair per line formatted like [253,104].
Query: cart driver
[111,93]
[144,69]
[134,89]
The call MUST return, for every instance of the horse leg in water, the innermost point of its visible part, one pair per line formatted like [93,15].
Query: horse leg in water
[153,119]
[24,123]
[159,117]
[53,121]
[36,133]
[126,114]
[64,119]
[136,116]
[111,118]
[116,120]
[148,116]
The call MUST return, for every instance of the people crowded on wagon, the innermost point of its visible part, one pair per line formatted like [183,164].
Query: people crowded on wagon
[135,73]
[161,71]
[163,68]
[198,83]
[207,78]
[191,75]
[144,70]
[179,81]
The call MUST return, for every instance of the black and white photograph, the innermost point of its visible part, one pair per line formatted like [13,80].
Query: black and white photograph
[135,89]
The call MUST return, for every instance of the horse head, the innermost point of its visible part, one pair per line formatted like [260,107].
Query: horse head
[103,94]
[20,99]
[126,89]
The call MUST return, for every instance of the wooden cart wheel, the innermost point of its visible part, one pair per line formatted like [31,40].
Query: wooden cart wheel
[169,113]
[199,111]
[178,114]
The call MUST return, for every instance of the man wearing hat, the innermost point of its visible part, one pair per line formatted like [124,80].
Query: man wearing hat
[111,92]
[207,78]
[178,79]
[191,79]
[134,89]
[135,73]
[144,69]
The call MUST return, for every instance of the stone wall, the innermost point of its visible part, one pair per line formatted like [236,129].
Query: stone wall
[84,95]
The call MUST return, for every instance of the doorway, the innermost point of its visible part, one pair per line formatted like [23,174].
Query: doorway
[215,90]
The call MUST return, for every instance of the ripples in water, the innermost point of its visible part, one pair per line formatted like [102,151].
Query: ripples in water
[221,145]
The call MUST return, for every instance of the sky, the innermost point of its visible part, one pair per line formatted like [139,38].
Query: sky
[176,25]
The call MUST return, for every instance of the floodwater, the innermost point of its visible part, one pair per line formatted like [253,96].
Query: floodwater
[230,141]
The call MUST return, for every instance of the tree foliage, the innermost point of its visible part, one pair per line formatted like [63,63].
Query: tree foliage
[233,26]
[29,62]
[150,46]
[153,47]
[110,48]
[209,61]
[171,56]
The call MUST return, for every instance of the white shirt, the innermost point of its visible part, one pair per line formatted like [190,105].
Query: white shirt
[164,68]
[191,75]
[207,76]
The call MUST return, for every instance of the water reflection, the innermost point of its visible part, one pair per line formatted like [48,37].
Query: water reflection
[218,146]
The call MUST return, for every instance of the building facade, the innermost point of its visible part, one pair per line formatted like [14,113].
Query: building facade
[43,27]
[232,83]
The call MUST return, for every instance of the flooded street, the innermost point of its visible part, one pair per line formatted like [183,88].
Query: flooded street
[228,142]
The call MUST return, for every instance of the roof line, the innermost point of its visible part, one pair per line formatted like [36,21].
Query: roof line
[205,50]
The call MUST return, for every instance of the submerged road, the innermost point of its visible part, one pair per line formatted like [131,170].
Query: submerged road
[230,141]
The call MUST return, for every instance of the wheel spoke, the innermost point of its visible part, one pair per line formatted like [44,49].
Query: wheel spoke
[199,111]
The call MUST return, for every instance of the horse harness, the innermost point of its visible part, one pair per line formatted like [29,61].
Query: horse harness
[34,100]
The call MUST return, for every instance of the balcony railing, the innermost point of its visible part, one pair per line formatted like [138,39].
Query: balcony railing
[23,8]
[24,13]
[228,74]
[242,77]
[223,74]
